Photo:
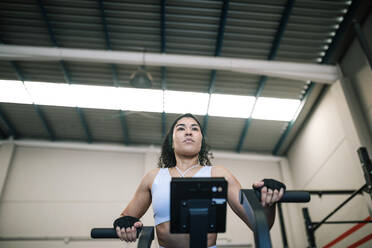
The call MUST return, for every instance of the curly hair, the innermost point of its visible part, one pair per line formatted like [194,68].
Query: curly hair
[167,158]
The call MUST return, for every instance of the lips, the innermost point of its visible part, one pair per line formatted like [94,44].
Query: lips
[188,140]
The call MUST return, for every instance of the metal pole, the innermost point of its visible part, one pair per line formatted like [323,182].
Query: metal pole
[344,222]
[340,206]
[309,228]
[332,192]
[363,42]
[282,226]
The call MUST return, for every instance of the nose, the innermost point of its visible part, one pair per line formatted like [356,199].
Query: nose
[188,132]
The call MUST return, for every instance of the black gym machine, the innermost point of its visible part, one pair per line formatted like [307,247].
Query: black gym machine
[312,226]
[198,207]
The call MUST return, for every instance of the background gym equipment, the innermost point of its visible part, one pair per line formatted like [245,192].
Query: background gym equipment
[312,226]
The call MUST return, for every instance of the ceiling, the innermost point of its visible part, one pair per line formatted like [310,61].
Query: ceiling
[297,31]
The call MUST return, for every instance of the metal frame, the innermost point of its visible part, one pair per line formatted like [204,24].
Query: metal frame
[312,226]
[9,125]
[261,84]
[2,134]
[124,126]
[282,226]
[363,41]
[327,74]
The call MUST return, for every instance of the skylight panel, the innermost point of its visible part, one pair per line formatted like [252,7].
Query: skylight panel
[140,99]
[148,100]
[54,94]
[13,92]
[185,102]
[231,105]
[99,97]
[275,109]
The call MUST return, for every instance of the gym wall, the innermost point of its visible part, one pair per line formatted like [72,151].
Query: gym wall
[323,156]
[62,192]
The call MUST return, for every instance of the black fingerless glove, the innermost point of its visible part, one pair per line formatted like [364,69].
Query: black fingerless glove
[272,184]
[127,221]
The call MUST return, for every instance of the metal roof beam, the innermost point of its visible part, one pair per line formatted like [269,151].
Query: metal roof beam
[9,125]
[108,42]
[288,70]
[217,52]
[346,22]
[47,127]
[2,134]
[115,77]
[85,124]
[124,127]
[64,70]
[163,68]
[263,79]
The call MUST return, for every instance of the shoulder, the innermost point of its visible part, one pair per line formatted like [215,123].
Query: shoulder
[220,171]
[149,177]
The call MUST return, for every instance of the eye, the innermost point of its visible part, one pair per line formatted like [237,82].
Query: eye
[195,129]
[180,128]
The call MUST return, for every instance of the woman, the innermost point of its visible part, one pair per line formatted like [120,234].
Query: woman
[185,154]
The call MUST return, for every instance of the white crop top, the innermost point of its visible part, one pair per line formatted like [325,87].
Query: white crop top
[160,192]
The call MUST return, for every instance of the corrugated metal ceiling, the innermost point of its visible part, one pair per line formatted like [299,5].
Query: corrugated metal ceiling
[238,29]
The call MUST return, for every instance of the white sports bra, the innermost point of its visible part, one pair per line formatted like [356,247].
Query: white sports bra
[160,192]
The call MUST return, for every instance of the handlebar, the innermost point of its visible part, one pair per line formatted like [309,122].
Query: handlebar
[291,196]
[145,238]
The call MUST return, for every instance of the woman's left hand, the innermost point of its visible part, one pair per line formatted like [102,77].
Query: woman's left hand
[271,191]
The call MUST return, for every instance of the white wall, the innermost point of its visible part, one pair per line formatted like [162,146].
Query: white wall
[55,190]
[324,156]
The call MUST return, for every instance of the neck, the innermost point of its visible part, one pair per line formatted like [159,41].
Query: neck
[186,162]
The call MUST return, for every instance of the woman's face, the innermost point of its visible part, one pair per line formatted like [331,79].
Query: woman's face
[187,137]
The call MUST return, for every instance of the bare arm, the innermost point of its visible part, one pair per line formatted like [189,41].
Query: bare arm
[137,207]
[233,196]
[141,200]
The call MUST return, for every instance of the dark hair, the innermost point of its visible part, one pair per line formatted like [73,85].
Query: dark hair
[167,158]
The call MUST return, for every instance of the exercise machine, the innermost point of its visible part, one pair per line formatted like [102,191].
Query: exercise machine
[312,226]
[198,207]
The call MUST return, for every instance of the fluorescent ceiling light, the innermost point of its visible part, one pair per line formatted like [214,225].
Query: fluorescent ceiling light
[185,102]
[141,99]
[231,105]
[54,94]
[275,109]
[148,100]
[13,92]
[99,97]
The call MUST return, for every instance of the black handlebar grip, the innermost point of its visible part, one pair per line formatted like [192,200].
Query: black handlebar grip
[296,196]
[291,196]
[103,233]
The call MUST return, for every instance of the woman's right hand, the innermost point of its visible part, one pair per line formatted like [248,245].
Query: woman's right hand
[127,228]
[129,234]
